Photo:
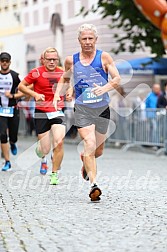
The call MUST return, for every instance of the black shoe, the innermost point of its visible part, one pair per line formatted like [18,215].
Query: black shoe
[95,193]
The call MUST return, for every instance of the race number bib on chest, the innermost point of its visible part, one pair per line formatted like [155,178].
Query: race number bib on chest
[89,96]
[7,112]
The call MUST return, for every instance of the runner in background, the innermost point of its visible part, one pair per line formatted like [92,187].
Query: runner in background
[48,120]
[9,112]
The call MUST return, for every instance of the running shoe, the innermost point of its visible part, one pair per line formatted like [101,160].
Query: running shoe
[43,168]
[95,193]
[6,166]
[54,178]
[83,171]
[13,148]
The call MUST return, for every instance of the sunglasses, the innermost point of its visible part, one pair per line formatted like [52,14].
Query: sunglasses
[5,60]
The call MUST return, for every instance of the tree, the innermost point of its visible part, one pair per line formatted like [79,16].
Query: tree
[135,28]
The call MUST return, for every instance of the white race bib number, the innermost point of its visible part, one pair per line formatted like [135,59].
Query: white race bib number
[7,112]
[51,115]
[89,96]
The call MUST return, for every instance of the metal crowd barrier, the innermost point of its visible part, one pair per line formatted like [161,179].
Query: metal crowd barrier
[133,128]
[146,127]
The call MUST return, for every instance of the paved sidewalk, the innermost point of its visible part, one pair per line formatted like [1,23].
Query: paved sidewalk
[38,217]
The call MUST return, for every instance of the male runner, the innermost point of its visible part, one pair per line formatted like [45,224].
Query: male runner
[90,68]
[9,112]
[48,120]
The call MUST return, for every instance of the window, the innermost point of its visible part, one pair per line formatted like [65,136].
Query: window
[45,15]
[24,3]
[6,5]
[30,65]
[35,17]
[6,8]
[71,9]
[14,6]
[26,19]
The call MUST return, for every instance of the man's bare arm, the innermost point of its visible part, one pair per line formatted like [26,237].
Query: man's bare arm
[109,67]
[25,89]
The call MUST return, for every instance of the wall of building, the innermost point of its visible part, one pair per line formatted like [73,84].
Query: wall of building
[11,33]
[30,32]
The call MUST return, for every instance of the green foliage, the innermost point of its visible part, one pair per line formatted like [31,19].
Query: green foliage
[134,27]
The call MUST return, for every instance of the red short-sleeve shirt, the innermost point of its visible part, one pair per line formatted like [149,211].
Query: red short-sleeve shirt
[45,83]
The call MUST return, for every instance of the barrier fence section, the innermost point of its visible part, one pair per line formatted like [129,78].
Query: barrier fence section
[147,127]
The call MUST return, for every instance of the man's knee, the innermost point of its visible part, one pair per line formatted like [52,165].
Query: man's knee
[90,145]
[45,149]
[59,145]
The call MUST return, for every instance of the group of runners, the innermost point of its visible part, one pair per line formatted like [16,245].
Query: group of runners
[85,73]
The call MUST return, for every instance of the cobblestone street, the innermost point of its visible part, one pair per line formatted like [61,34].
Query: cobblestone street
[38,217]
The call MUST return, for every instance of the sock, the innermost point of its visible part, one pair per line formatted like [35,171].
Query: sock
[44,159]
[93,184]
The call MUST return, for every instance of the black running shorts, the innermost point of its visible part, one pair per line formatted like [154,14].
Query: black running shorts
[10,124]
[85,116]
[43,124]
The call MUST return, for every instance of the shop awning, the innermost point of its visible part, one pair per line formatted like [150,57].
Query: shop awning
[143,66]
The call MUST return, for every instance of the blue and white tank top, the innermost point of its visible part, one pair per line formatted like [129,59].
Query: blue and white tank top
[84,79]
[6,83]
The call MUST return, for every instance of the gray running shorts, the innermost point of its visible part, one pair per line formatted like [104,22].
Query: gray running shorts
[85,116]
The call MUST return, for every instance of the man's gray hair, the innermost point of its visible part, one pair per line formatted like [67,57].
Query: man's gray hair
[85,27]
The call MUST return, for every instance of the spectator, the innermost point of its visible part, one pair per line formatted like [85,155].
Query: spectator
[162,99]
[162,103]
[152,98]
[151,105]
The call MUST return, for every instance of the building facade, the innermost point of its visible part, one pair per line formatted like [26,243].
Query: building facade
[11,33]
[29,26]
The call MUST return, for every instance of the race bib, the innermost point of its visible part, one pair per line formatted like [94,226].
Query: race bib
[7,112]
[51,115]
[89,96]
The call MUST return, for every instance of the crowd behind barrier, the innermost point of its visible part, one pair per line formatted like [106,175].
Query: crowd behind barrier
[139,127]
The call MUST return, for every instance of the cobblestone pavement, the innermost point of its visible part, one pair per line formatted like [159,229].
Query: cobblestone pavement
[131,217]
